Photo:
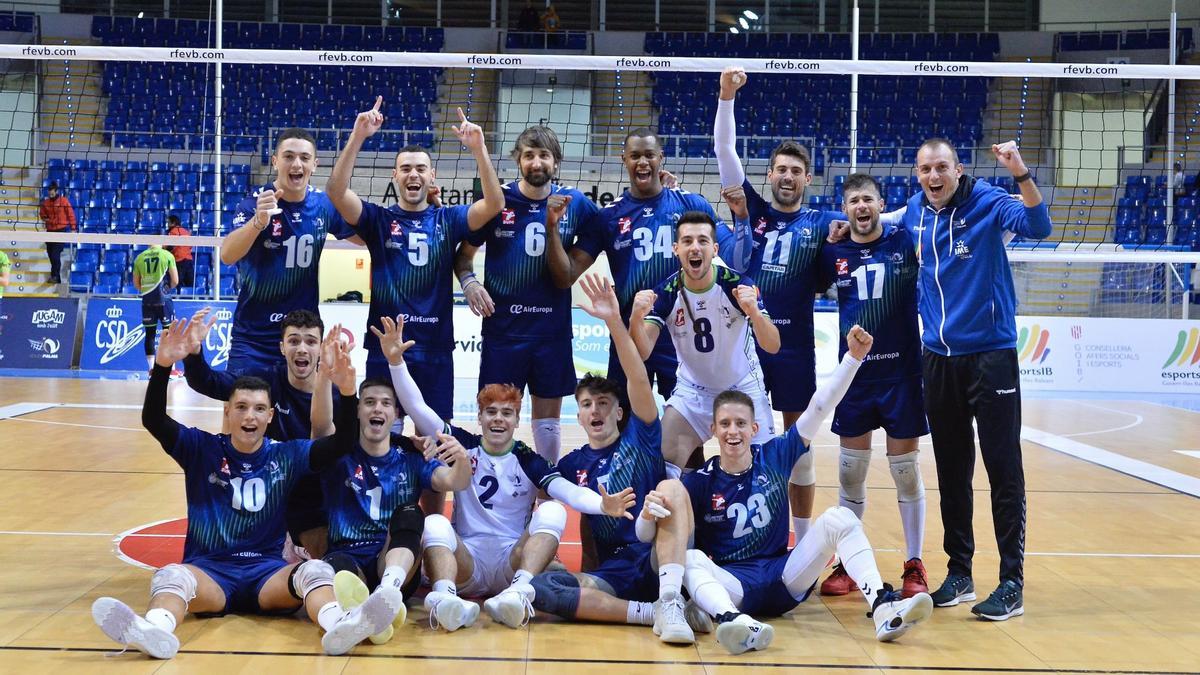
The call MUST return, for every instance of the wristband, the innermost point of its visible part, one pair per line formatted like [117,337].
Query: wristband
[1023,177]
[467,284]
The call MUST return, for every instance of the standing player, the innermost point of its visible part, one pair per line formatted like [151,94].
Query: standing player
[713,316]
[631,573]
[412,248]
[497,540]
[527,337]
[281,229]
[236,486]
[876,276]
[636,232]
[5,266]
[154,274]
[737,497]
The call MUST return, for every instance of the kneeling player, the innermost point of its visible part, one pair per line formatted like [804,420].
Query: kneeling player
[236,488]
[497,541]
[739,499]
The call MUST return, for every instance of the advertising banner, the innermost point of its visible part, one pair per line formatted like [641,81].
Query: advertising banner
[38,332]
[113,334]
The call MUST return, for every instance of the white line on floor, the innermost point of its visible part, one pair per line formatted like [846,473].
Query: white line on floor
[1127,465]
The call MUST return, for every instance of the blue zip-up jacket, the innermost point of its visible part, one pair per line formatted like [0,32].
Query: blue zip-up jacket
[967,300]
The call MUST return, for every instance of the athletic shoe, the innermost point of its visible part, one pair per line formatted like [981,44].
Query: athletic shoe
[743,633]
[125,627]
[697,618]
[513,607]
[370,618]
[894,616]
[1005,602]
[914,578]
[955,589]
[350,592]
[670,621]
[838,583]
[176,373]
[450,611]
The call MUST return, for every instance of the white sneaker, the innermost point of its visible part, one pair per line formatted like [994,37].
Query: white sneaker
[513,607]
[670,623]
[744,633]
[372,617]
[894,617]
[125,627]
[450,611]
[697,618]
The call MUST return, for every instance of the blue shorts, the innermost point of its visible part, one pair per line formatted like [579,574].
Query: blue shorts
[241,579]
[662,367]
[432,371]
[630,573]
[897,407]
[158,313]
[547,367]
[247,356]
[763,590]
[791,378]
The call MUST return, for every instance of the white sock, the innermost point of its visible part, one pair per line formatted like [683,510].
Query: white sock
[522,577]
[640,613]
[547,438]
[445,586]
[670,579]
[859,561]
[713,598]
[162,618]
[912,517]
[800,526]
[394,576]
[329,615]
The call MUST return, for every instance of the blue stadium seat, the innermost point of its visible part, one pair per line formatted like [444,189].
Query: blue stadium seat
[79,282]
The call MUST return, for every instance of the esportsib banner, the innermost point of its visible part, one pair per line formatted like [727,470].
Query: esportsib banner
[113,333]
[38,332]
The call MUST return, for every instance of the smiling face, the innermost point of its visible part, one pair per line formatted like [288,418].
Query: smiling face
[537,165]
[413,175]
[600,416]
[643,159]
[376,413]
[695,248]
[301,348]
[789,177]
[734,428]
[938,172]
[498,422]
[862,205]
[247,414]
[294,161]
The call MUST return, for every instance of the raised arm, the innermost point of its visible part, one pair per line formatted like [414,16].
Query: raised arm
[478,299]
[482,211]
[765,332]
[393,346]
[172,346]
[320,412]
[1036,223]
[725,128]
[237,244]
[338,186]
[456,475]
[828,395]
[644,333]
[604,306]
[564,266]
[326,450]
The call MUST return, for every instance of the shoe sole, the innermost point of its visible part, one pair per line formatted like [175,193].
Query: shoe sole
[736,637]
[697,618]
[917,611]
[1000,617]
[350,592]
[119,623]
[676,635]
[376,616]
[965,597]
[509,614]
[457,613]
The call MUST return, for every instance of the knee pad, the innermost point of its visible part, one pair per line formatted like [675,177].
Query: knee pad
[556,593]
[439,532]
[175,579]
[852,474]
[549,518]
[405,529]
[340,562]
[803,472]
[308,576]
[906,473]
[547,438]
[835,523]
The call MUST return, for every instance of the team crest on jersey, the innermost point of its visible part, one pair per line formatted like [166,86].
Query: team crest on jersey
[625,225]
[296,217]
[276,228]
[508,217]
[866,253]
[648,211]
[760,226]
[581,477]
[225,466]
[701,304]
[679,317]
[474,464]
[396,231]
[358,473]
[843,267]
[718,501]
[535,208]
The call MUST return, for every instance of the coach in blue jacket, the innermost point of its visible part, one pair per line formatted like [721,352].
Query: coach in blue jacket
[968,306]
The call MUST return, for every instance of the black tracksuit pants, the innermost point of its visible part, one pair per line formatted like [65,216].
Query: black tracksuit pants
[984,387]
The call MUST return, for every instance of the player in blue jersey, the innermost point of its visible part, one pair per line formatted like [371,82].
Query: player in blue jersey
[527,337]
[291,391]
[412,247]
[632,572]
[236,489]
[875,272]
[280,233]
[636,232]
[740,565]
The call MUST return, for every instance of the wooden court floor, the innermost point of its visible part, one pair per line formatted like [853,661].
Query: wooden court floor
[1112,575]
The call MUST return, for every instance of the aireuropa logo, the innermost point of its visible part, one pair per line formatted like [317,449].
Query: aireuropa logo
[1187,350]
[1033,344]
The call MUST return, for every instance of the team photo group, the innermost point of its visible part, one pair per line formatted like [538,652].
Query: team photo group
[311,496]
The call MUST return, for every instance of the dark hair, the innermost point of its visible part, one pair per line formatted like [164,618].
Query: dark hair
[938,140]
[173,220]
[732,396]
[295,132]
[540,137]
[858,181]
[792,149]
[640,132]
[598,385]
[250,383]
[377,382]
[301,318]
[53,185]
[695,217]
[413,147]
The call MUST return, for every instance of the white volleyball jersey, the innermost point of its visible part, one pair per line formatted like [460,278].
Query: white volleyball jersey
[499,500]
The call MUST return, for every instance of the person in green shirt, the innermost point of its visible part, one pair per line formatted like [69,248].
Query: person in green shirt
[5,264]
[155,274]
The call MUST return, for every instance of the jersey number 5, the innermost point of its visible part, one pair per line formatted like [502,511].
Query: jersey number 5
[754,510]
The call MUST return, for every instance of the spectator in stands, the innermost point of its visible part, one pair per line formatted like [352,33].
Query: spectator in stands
[5,264]
[529,21]
[58,216]
[550,20]
[1178,180]
[183,254]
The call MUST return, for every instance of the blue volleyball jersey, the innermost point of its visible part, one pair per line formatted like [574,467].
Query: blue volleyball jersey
[235,500]
[635,460]
[784,263]
[528,304]
[362,491]
[877,289]
[745,516]
[412,262]
[279,272]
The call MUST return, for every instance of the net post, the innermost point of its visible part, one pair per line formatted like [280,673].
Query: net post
[1169,159]
[218,130]
[854,40]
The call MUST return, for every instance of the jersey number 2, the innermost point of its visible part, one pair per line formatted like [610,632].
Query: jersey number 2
[754,510]
[490,486]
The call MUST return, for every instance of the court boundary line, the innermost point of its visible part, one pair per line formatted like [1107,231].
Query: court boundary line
[632,662]
[1134,468]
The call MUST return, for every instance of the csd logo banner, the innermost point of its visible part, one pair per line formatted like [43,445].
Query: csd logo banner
[113,334]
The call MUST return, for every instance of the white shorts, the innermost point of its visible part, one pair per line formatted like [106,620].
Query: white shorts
[493,569]
[695,403]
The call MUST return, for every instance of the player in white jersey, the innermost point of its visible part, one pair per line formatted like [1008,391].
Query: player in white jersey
[497,540]
[714,316]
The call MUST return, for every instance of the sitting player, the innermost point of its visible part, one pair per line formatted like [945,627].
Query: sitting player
[631,574]
[236,487]
[497,541]
[740,498]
